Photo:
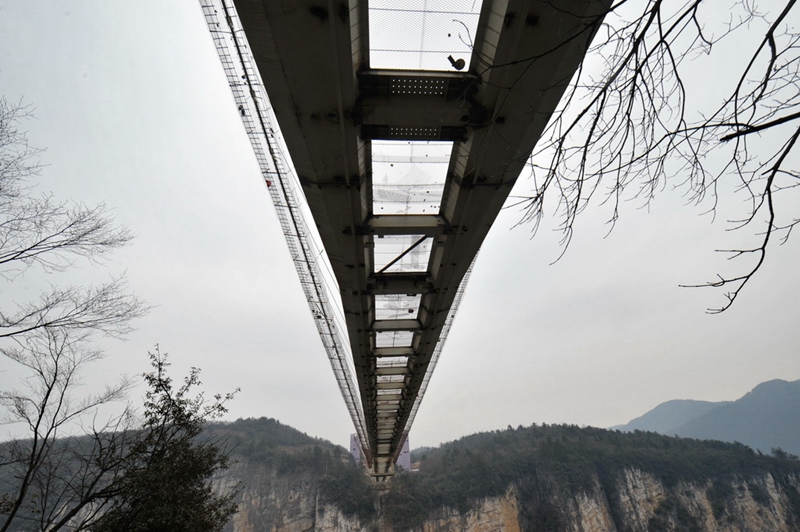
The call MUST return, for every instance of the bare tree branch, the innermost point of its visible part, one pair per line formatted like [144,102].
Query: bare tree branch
[641,119]
[54,360]
[106,308]
[60,480]
[36,231]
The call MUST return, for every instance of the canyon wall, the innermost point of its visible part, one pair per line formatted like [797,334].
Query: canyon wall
[638,502]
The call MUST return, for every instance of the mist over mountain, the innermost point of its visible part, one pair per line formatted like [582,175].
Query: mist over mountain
[668,416]
[767,417]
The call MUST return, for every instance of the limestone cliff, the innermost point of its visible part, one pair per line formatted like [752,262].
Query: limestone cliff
[536,479]
[488,515]
[643,504]
[639,503]
[274,503]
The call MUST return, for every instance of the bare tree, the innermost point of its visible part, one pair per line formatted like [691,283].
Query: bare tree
[53,475]
[49,475]
[68,469]
[39,231]
[130,473]
[641,115]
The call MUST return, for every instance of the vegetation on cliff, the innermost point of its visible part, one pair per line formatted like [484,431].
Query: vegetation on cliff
[302,460]
[280,467]
[570,459]
[545,464]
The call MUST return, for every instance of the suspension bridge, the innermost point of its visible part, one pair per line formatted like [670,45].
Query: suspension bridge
[389,135]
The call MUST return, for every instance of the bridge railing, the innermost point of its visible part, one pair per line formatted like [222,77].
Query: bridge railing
[261,127]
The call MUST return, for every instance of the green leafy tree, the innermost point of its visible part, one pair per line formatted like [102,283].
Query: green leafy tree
[146,473]
[168,482]
[777,452]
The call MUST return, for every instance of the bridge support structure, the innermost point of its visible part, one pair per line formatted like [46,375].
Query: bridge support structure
[313,59]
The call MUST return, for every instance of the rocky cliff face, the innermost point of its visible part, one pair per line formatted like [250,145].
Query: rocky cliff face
[489,515]
[638,502]
[556,478]
[278,503]
[642,503]
[300,514]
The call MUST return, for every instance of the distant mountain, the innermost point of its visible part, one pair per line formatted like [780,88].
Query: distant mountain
[667,417]
[765,418]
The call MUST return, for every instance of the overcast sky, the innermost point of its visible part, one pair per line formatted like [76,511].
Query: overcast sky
[134,111]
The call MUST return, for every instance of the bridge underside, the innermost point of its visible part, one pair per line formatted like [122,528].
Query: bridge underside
[313,58]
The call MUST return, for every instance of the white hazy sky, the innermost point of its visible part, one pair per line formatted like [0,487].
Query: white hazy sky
[134,111]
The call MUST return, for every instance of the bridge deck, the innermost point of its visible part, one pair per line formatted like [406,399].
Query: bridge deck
[313,58]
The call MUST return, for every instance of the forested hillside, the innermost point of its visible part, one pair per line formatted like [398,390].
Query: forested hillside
[274,456]
[538,478]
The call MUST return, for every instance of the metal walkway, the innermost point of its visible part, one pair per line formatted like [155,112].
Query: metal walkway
[403,171]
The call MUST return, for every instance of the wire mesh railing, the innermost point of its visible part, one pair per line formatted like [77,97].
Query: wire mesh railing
[260,125]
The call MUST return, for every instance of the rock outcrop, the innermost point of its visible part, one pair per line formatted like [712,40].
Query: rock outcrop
[271,502]
[556,478]
[638,503]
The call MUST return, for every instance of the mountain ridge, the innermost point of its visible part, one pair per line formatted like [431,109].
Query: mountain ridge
[559,478]
[766,417]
